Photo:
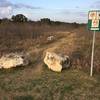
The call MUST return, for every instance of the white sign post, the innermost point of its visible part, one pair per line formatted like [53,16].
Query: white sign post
[92,56]
[94,25]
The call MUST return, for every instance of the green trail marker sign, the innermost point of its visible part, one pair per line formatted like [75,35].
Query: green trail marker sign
[93,25]
[94,20]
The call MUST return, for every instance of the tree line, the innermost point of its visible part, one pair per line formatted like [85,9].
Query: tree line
[23,18]
[20,18]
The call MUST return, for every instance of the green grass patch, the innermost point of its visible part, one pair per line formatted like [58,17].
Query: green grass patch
[27,97]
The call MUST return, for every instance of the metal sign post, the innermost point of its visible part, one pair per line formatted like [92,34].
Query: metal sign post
[93,25]
[92,56]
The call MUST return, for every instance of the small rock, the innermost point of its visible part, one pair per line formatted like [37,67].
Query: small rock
[50,38]
[55,62]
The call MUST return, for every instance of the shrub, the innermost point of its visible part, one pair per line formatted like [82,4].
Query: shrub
[19,18]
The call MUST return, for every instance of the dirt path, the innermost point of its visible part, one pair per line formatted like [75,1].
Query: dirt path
[65,44]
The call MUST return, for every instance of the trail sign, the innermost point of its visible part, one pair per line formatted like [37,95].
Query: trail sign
[94,20]
[93,25]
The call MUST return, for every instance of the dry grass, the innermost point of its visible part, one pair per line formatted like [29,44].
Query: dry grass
[68,85]
[36,82]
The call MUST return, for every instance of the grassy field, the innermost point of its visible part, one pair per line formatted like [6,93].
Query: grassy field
[18,84]
[36,81]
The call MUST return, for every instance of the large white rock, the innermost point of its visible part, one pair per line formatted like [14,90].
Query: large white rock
[56,62]
[12,60]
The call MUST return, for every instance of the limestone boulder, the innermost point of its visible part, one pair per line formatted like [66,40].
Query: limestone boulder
[56,62]
[13,60]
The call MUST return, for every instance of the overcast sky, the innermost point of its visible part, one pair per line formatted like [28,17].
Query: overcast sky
[61,10]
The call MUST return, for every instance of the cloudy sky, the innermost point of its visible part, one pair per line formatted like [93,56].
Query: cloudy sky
[61,10]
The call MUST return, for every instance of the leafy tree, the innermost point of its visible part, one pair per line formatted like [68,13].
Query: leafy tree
[45,21]
[19,18]
[5,20]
